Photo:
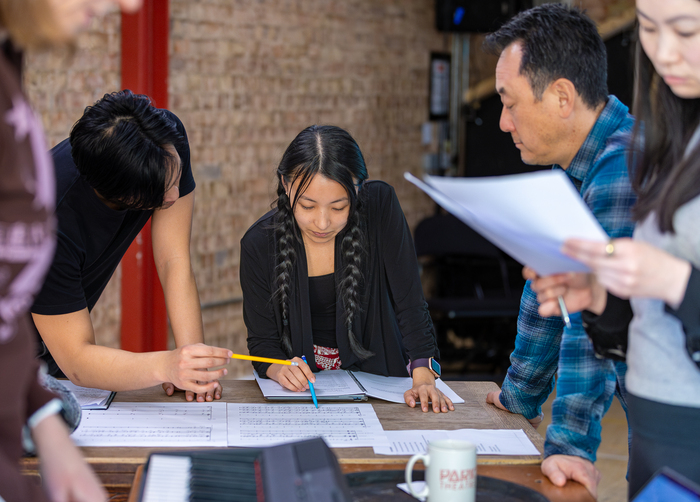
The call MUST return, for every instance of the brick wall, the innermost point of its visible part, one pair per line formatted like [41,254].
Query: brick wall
[60,84]
[245,77]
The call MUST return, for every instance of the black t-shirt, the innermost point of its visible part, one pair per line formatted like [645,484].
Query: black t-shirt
[92,238]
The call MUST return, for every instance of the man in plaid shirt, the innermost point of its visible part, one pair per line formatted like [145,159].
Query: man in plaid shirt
[552,79]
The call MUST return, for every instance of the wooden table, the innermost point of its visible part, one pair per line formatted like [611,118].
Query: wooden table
[116,467]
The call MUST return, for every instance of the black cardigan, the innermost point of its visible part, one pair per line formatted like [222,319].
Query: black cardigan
[393,319]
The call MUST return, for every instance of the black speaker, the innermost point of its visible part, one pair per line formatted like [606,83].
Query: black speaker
[476,16]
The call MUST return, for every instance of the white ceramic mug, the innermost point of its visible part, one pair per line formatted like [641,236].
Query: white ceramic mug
[450,475]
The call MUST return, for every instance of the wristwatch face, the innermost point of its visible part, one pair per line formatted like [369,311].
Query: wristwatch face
[435,366]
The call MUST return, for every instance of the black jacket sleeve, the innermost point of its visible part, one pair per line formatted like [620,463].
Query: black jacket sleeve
[258,311]
[689,315]
[401,265]
[608,331]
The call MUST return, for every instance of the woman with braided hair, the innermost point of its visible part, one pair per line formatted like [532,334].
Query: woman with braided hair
[331,273]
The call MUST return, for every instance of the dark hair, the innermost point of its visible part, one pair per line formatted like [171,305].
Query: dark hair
[331,152]
[557,42]
[662,174]
[118,146]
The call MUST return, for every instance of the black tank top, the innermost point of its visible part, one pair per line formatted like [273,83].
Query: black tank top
[322,302]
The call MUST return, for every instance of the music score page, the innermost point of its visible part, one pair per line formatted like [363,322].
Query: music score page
[487,441]
[340,425]
[153,424]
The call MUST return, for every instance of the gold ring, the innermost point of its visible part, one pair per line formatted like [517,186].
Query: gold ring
[609,249]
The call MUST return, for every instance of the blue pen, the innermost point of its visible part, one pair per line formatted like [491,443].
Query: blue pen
[311,387]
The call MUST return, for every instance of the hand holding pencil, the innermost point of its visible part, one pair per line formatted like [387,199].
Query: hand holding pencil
[295,378]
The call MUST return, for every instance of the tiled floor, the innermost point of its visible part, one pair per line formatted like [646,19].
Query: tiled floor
[612,454]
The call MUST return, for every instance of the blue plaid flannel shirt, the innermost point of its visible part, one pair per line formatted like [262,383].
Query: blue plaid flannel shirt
[586,384]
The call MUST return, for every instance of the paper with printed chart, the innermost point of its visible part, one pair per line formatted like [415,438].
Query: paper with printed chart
[346,425]
[487,441]
[88,398]
[529,216]
[346,385]
[331,385]
[153,424]
[392,388]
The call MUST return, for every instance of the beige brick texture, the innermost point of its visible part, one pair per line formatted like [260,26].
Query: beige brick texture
[60,84]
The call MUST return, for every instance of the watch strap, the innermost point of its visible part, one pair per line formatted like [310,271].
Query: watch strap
[423,362]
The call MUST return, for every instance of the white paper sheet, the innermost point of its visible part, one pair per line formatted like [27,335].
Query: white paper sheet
[392,388]
[154,424]
[89,399]
[487,441]
[418,486]
[341,425]
[529,216]
[328,383]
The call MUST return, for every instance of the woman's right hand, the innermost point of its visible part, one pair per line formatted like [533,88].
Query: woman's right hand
[580,291]
[294,378]
[633,268]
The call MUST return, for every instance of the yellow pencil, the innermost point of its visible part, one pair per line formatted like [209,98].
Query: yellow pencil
[265,360]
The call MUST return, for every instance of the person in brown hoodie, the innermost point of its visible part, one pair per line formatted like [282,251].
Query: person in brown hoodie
[27,241]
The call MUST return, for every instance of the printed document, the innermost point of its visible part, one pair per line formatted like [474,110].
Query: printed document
[487,441]
[529,216]
[153,424]
[346,385]
[346,425]
[392,388]
[89,399]
[334,385]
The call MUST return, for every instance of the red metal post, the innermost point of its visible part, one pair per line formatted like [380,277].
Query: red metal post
[145,71]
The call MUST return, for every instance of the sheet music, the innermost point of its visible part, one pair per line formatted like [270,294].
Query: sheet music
[529,216]
[392,388]
[339,383]
[341,425]
[154,424]
[487,441]
[328,383]
[88,398]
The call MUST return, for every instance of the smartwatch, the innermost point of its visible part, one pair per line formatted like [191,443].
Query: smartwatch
[430,363]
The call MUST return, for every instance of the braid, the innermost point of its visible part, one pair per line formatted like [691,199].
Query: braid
[352,248]
[284,230]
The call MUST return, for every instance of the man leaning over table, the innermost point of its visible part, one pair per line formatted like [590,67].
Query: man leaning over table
[551,76]
[125,161]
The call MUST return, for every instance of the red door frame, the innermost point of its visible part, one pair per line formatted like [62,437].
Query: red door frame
[144,69]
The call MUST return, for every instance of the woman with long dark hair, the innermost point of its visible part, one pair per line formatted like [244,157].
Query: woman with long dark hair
[659,268]
[331,274]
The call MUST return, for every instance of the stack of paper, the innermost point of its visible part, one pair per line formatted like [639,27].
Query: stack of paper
[529,216]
